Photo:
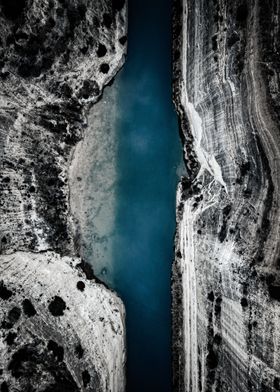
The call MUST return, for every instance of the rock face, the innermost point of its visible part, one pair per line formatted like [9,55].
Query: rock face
[55,58]
[58,336]
[226,279]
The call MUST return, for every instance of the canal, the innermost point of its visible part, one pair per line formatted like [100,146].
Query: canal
[127,174]
[148,157]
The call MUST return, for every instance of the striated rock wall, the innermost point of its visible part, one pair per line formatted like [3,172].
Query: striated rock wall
[226,277]
[55,58]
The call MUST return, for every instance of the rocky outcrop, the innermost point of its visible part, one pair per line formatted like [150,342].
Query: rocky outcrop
[226,280]
[56,57]
[57,336]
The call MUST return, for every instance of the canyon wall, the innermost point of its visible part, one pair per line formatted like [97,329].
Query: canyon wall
[226,275]
[61,330]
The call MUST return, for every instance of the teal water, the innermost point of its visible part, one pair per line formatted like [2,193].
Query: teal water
[148,157]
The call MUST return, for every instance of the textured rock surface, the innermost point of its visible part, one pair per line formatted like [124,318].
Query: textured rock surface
[55,58]
[58,336]
[226,280]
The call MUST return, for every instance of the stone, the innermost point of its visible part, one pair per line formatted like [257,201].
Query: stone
[226,279]
[52,336]
[71,348]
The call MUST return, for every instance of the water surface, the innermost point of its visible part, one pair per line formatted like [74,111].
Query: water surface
[148,155]
[123,192]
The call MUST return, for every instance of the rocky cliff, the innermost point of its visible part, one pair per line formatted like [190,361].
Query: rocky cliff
[226,277]
[60,329]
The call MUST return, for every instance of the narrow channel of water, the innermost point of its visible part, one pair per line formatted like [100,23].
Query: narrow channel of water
[148,157]
[124,192]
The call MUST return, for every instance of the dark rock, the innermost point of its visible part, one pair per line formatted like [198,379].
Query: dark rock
[13,9]
[244,302]
[14,315]
[118,4]
[81,286]
[57,306]
[79,351]
[212,359]
[90,89]
[242,13]
[86,378]
[107,20]
[104,68]
[87,269]
[31,360]
[11,338]
[4,387]
[274,291]
[57,350]
[123,40]
[28,308]
[5,293]
[101,51]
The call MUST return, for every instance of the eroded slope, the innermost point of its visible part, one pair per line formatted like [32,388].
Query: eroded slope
[226,282]
[60,330]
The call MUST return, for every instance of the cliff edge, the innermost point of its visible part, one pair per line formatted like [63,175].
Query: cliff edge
[60,329]
[226,280]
